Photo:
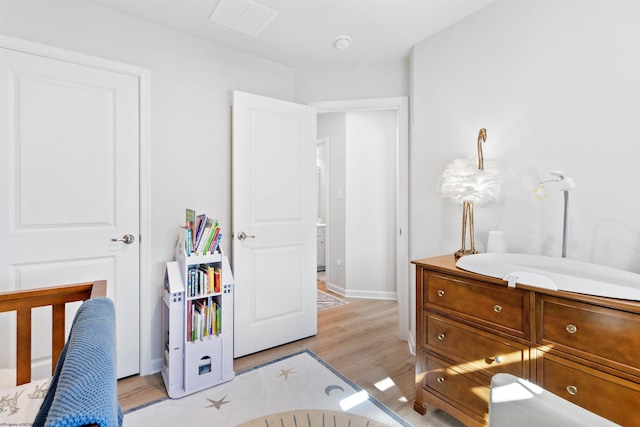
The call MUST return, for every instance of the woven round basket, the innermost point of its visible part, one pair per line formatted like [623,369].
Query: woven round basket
[312,418]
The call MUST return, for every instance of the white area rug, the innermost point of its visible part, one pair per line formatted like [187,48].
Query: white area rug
[296,390]
[327,301]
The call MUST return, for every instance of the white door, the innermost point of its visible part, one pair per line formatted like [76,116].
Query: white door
[274,222]
[68,186]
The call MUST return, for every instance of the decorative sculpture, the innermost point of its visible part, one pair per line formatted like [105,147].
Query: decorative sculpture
[469,182]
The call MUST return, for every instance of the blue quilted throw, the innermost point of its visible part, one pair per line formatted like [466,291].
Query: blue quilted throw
[83,389]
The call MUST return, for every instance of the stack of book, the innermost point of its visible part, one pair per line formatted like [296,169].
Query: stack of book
[200,235]
[203,279]
[204,319]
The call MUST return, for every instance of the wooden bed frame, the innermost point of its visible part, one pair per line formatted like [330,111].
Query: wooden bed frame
[22,302]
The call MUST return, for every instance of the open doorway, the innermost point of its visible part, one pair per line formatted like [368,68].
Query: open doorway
[360,227]
[322,225]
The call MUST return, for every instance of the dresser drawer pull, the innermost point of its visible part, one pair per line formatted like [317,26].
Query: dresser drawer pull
[497,308]
[441,379]
[440,293]
[490,360]
[441,337]
[572,329]
[572,390]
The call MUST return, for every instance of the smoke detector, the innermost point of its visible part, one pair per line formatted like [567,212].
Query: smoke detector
[342,42]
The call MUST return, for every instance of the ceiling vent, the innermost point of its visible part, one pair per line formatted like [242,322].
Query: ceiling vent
[245,16]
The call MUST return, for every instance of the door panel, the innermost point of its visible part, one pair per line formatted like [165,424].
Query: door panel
[68,185]
[274,200]
[44,104]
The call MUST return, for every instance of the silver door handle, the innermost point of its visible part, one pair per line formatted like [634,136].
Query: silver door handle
[242,235]
[127,238]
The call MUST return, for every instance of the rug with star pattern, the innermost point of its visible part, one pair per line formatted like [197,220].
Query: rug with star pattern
[296,390]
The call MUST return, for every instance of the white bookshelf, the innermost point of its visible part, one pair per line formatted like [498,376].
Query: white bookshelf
[191,363]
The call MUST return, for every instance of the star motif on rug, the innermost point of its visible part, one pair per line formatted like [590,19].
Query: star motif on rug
[216,403]
[286,372]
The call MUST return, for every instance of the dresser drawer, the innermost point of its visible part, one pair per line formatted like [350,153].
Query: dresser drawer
[606,395]
[493,306]
[457,387]
[477,350]
[597,333]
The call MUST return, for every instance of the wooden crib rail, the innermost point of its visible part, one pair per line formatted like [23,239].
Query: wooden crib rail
[23,301]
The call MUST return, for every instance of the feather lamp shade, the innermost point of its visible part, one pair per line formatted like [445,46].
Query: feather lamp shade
[462,181]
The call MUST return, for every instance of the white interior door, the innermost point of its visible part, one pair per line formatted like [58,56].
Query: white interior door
[68,186]
[274,222]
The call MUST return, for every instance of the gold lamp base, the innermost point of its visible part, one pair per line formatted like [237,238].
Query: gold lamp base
[467,215]
[461,252]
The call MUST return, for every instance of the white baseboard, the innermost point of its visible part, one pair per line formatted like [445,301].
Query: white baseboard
[412,344]
[364,294]
[336,289]
[155,367]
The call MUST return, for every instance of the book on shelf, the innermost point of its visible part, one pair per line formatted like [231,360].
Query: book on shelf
[204,319]
[184,239]
[190,222]
[218,326]
[200,235]
[203,280]
[201,221]
[217,279]
[215,230]
[200,250]
[217,244]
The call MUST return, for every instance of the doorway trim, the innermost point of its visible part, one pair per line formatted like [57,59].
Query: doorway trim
[142,74]
[327,206]
[401,105]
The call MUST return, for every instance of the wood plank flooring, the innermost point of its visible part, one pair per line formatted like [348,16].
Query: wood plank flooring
[359,339]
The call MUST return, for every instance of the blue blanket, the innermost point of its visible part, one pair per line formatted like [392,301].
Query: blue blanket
[83,389]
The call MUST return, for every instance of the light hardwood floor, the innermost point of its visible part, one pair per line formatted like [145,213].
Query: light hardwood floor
[359,339]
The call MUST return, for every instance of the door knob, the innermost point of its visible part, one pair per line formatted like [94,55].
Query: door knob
[127,238]
[242,235]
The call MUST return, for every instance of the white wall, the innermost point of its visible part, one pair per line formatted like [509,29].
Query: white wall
[362,195]
[370,208]
[322,161]
[556,83]
[191,84]
[334,127]
[361,81]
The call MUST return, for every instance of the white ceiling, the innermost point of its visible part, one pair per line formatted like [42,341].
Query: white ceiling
[302,32]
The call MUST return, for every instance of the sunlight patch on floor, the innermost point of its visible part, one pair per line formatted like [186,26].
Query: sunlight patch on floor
[354,400]
[385,384]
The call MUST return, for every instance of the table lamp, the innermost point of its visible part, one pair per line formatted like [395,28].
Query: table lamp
[470,182]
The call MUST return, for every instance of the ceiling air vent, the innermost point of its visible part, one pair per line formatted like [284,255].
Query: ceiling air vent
[242,15]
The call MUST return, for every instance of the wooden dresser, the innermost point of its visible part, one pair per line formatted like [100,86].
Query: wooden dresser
[583,348]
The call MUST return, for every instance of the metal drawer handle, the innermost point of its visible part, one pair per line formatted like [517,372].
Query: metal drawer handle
[490,360]
[572,329]
[441,380]
[497,308]
[440,293]
[572,390]
[441,337]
